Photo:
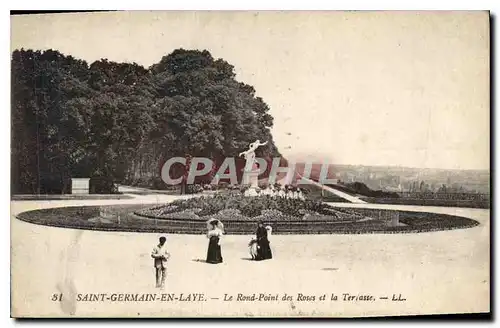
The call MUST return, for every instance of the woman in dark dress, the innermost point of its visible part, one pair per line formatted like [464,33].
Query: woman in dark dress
[263,249]
[214,234]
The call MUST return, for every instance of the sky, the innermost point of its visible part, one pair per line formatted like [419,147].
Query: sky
[371,88]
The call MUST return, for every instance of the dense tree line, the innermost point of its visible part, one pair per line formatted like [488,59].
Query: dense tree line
[119,122]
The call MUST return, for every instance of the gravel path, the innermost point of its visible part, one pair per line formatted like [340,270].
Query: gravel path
[437,272]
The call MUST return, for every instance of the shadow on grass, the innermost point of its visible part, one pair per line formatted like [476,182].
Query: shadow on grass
[199,260]
[330,269]
[247,259]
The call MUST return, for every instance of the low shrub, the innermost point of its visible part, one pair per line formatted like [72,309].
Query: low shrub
[193,189]
[102,185]
[232,205]
[359,188]
[429,202]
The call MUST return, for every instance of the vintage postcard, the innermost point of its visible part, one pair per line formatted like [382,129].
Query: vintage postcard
[250,164]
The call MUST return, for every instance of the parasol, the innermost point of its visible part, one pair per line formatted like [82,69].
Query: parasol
[217,223]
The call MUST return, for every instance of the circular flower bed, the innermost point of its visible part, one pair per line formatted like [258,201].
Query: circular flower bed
[239,215]
[237,207]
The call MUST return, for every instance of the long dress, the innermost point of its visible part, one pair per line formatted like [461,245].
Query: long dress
[264,250]
[214,254]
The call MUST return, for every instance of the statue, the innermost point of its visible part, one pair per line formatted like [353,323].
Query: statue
[251,173]
[250,154]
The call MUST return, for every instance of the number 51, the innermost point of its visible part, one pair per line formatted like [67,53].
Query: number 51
[57,297]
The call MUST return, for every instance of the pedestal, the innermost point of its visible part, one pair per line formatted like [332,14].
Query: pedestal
[391,218]
[80,185]
[395,219]
[251,178]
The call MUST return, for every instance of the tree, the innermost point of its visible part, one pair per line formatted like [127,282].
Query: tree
[42,128]
[122,121]
[422,186]
[204,111]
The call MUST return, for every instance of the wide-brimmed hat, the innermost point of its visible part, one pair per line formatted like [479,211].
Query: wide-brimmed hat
[216,223]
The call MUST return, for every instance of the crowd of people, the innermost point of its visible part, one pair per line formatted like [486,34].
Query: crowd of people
[259,247]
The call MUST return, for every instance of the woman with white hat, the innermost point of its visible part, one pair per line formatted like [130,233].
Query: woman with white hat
[214,234]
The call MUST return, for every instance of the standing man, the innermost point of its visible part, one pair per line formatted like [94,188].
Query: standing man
[160,256]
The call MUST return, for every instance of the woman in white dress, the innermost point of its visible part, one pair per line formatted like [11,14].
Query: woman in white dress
[214,234]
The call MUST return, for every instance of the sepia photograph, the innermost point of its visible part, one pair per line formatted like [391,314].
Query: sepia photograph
[250,164]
